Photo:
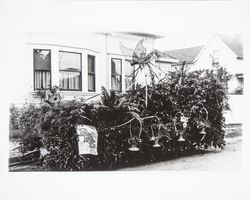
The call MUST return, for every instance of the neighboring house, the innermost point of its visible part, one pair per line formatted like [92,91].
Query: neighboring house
[187,54]
[80,64]
[165,62]
[223,51]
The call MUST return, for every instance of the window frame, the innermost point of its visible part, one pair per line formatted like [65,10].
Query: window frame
[93,73]
[112,74]
[41,70]
[63,70]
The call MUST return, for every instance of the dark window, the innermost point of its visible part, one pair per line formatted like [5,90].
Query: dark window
[91,73]
[116,74]
[70,70]
[42,68]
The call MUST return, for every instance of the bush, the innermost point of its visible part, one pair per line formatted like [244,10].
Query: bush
[30,128]
[124,120]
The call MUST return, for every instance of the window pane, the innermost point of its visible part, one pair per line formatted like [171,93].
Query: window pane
[91,82]
[42,79]
[116,66]
[70,80]
[42,59]
[91,63]
[116,83]
[70,61]
[113,66]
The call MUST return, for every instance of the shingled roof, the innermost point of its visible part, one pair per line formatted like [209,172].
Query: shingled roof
[234,43]
[163,54]
[187,54]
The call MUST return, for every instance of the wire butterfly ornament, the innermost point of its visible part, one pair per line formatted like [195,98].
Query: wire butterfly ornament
[139,57]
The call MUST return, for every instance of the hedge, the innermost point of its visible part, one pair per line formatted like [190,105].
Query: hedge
[124,120]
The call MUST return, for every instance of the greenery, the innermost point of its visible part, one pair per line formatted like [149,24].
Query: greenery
[123,121]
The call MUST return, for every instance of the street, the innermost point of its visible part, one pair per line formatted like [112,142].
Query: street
[227,159]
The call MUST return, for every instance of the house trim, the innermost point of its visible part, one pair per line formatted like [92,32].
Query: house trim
[62,46]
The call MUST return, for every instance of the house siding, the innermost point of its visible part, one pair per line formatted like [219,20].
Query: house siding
[101,45]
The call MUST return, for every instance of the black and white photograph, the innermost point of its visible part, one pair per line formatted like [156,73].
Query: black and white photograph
[155,91]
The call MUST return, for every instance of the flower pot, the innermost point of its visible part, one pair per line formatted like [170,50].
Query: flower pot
[133,148]
[156,144]
[181,139]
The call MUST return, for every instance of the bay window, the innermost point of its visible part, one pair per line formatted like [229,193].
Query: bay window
[42,68]
[116,74]
[70,70]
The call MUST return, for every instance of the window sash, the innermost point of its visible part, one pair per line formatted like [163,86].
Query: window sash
[42,59]
[69,61]
[91,82]
[42,79]
[116,74]
[91,73]
[70,80]
[91,63]
[42,68]
[70,64]
[116,66]
[116,82]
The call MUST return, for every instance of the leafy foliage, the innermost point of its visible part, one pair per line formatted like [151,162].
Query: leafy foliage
[123,120]
[29,125]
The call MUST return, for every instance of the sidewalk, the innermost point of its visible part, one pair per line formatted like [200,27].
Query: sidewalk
[227,159]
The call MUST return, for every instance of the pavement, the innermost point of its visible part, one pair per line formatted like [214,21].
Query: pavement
[227,159]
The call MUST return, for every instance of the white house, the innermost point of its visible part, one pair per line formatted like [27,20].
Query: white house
[224,51]
[78,63]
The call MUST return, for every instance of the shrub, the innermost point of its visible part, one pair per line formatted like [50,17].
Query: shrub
[30,128]
[123,120]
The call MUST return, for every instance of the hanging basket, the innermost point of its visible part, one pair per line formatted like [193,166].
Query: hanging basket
[133,142]
[133,148]
[156,144]
[181,139]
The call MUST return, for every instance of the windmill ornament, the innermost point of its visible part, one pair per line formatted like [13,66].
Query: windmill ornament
[142,61]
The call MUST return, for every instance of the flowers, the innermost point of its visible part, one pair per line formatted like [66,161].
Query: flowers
[50,96]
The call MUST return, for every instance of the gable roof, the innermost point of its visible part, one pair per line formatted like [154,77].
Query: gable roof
[234,43]
[163,54]
[187,54]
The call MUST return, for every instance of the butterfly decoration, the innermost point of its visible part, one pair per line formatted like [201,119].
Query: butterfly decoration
[142,61]
[140,58]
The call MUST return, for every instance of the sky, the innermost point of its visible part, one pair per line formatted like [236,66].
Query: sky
[183,23]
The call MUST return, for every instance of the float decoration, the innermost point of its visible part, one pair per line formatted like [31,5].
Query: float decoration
[180,125]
